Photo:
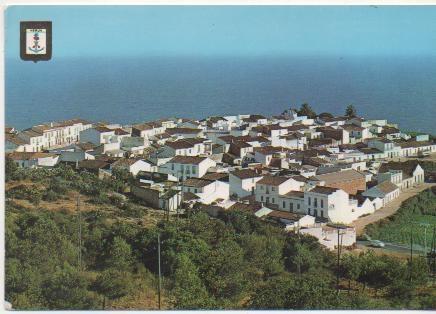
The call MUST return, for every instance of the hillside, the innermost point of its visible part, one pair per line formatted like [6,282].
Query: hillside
[233,262]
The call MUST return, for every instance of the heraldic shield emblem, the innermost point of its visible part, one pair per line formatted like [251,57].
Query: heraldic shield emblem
[35,41]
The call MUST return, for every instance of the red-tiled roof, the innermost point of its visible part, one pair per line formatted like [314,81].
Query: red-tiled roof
[272,180]
[245,174]
[188,159]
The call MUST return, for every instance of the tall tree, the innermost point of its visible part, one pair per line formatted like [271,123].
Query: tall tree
[223,271]
[350,111]
[66,289]
[113,284]
[119,255]
[351,268]
[306,110]
[189,291]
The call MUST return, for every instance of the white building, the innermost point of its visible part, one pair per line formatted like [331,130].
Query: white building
[133,165]
[207,191]
[243,182]
[188,147]
[388,147]
[98,135]
[32,160]
[149,129]
[270,189]
[328,236]
[184,167]
[387,191]
[331,203]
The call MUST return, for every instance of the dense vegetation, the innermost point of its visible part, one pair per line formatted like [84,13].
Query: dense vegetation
[233,262]
[410,218]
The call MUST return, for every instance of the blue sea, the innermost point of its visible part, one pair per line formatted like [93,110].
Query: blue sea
[124,90]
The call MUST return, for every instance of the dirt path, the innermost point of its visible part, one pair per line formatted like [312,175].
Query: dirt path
[389,209]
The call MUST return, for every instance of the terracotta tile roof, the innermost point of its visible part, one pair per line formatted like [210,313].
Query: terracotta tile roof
[240,144]
[196,183]
[278,214]
[340,176]
[189,196]
[295,194]
[183,131]
[213,176]
[187,159]
[269,150]
[352,127]
[272,180]
[386,187]
[229,158]
[216,119]
[407,167]
[180,144]
[389,130]
[248,138]
[15,139]
[103,129]
[412,144]
[143,126]
[323,190]
[32,133]
[125,162]
[28,155]
[86,146]
[245,174]
[369,150]
[227,138]
[119,131]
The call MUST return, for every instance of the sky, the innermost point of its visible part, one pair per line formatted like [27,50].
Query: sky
[131,31]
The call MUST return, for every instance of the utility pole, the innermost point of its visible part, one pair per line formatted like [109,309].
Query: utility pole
[299,249]
[411,255]
[79,235]
[432,256]
[337,270]
[425,225]
[158,260]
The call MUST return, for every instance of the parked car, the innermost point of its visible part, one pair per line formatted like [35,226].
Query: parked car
[376,243]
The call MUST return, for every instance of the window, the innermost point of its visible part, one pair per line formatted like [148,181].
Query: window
[272,200]
[261,187]
[322,214]
[322,204]
[193,170]
[172,166]
[315,202]
[291,206]
[284,205]
[261,198]
[309,201]
[272,189]
[298,206]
